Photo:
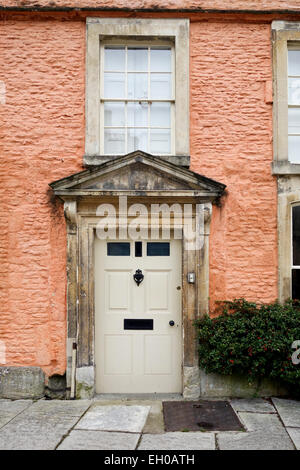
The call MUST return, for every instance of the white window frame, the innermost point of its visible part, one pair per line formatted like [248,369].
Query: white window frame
[172,100]
[285,35]
[288,197]
[176,31]
[293,47]
[292,266]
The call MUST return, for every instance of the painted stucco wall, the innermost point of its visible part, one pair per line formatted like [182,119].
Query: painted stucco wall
[42,134]
[231,141]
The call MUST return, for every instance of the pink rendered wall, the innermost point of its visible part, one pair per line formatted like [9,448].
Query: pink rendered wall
[231,141]
[42,140]
[43,68]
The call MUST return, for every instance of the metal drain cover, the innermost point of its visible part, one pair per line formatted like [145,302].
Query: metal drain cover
[201,415]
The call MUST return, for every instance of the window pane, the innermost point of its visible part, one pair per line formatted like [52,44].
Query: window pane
[137,86]
[160,141]
[294,148]
[294,91]
[118,249]
[160,86]
[114,59]
[296,284]
[114,114]
[160,115]
[160,60]
[158,249]
[114,141]
[296,235]
[294,121]
[137,140]
[137,114]
[114,85]
[294,62]
[137,59]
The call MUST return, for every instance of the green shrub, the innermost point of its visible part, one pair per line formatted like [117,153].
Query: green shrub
[251,339]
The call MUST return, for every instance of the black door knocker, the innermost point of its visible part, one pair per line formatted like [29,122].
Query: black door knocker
[138,276]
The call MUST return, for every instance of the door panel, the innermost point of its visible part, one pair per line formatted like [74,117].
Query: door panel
[117,290]
[158,283]
[158,354]
[118,354]
[138,360]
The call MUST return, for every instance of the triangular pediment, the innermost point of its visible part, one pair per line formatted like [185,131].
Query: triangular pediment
[138,173]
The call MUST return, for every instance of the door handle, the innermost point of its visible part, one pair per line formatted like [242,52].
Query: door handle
[171,323]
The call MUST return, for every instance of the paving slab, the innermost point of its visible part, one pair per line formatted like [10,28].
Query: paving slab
[60,407]
[35,432]
[10,409]
[99,440]
[251,441]
[14,406]
[294,434]
[41,425]
[289,411]
[262,422]
[125,418]
[265,432]
[253,405]
[178,441]
[155,421]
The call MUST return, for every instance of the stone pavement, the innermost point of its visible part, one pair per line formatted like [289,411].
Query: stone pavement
[109,423]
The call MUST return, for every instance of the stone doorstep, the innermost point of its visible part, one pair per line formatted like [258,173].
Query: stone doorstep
[115,418]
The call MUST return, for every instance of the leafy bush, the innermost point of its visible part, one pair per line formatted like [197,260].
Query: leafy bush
[251,339]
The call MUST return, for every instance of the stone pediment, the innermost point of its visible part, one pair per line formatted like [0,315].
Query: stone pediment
[137,174]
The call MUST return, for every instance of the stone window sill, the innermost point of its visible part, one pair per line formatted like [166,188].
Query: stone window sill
[180,160]
[284,167]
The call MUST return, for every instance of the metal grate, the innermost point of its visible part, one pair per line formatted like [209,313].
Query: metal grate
[201,415]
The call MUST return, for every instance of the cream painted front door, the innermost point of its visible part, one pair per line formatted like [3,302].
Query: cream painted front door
[138,327]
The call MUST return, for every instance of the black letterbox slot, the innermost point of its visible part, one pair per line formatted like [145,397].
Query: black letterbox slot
[136,324]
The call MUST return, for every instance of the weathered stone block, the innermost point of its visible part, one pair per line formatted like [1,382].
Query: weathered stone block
[191,382]
[85,382]
[22,382]
[56,388]
[215,385]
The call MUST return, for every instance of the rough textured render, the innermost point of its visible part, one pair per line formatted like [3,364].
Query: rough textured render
[231,141]
[43,139]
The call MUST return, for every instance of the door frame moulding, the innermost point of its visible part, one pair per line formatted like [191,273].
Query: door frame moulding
[80,299]
[147,181]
